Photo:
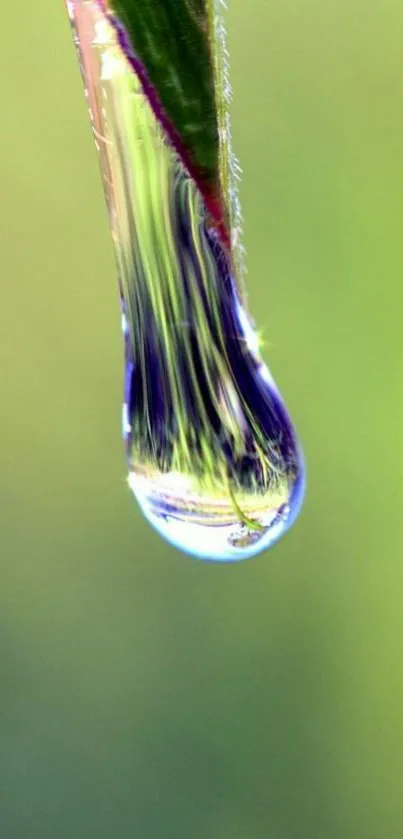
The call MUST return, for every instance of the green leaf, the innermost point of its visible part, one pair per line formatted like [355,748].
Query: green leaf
[173,42]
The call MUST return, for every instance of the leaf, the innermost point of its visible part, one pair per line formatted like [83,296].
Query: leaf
[172,39]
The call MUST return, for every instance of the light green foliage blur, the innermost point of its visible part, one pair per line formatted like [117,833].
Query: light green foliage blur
[144,695]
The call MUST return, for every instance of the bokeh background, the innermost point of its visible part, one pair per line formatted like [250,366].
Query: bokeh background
[143,694]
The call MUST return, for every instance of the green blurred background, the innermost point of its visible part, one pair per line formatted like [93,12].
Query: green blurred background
[143,694]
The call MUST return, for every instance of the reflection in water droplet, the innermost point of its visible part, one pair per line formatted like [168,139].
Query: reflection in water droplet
[213,459]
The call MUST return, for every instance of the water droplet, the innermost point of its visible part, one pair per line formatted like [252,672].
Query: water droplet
[213,458]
